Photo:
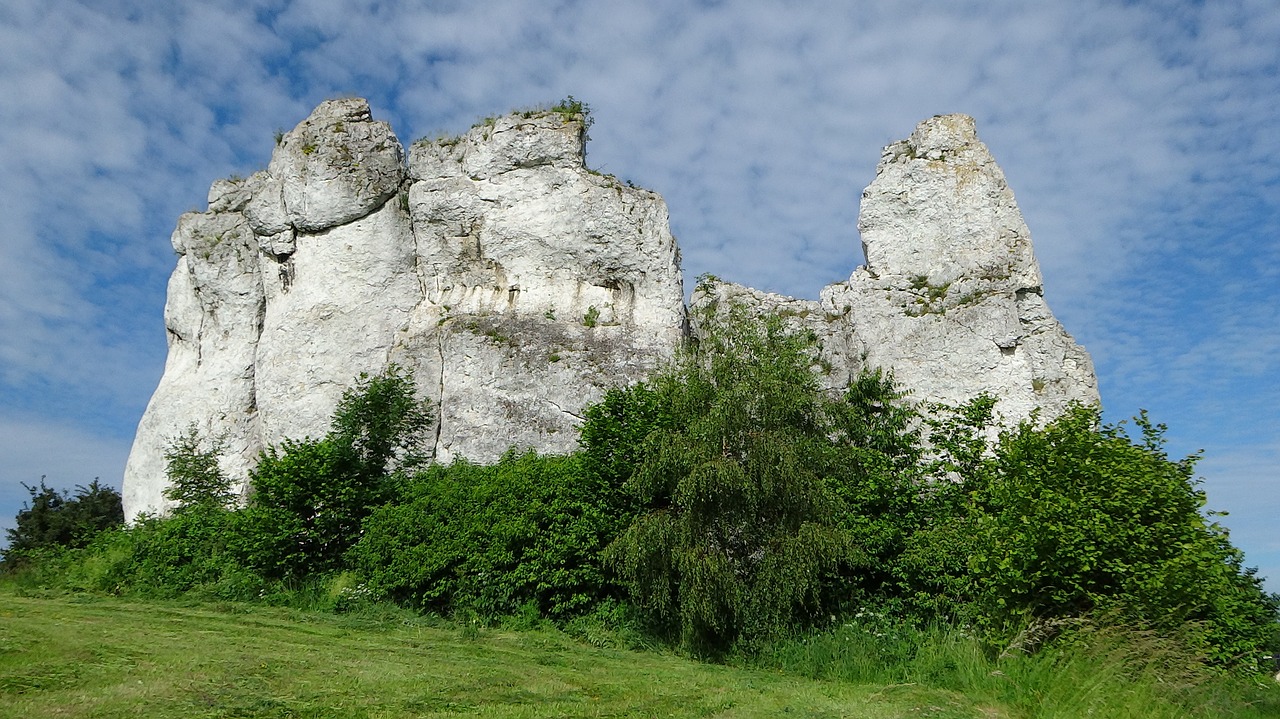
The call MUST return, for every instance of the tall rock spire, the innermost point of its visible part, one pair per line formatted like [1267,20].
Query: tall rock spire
[950,300]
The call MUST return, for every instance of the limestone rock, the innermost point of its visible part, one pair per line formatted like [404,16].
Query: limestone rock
[338,165]
[950,300]
[212,316]
[517,286]
[951,297]
[545,284]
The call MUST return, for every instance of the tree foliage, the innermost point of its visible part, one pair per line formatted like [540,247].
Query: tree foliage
[50,519]
[749,492]
[310,497]
[1079,517]
[196,481]
[383,422]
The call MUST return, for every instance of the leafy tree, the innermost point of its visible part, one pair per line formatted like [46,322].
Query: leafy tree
[196,481]
[931,576]
[51,520]
[309,497]
[1078,517]
[383,422]
[612,438]
[753,484]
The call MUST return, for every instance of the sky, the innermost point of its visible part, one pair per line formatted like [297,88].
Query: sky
[1141,139]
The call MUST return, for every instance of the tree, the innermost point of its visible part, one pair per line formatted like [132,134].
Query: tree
[383,422]
[195,479]
[747,483]
[309,497]
[1077,517]
[49,519]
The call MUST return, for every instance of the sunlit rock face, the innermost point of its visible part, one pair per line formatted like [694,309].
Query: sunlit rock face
[950,299]
[516,286]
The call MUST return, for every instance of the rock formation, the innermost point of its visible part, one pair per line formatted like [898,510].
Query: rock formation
[513,283]
[516,286]
[951,298]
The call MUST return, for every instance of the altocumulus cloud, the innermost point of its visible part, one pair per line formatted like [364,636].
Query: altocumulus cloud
[1140,138]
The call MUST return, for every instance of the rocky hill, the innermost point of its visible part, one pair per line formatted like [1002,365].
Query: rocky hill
[516,286]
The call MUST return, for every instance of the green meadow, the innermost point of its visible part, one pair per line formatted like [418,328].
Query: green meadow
[80,656]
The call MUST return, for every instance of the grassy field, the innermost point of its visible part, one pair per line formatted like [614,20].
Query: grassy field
[71,655]
[78,656]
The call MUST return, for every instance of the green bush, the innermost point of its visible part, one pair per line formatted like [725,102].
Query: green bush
[612,439]
[50,520]
[1079,518]
[310,497]
[491,539]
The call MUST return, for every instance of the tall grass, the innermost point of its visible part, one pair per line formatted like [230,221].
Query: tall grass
[1092,669]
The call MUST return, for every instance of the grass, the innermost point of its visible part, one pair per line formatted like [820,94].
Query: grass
[1109,672]
[82,656]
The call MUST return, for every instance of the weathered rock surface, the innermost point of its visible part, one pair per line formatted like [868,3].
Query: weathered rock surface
[516,286]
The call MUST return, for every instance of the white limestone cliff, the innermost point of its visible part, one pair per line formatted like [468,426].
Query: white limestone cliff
[517,286]
[512,282]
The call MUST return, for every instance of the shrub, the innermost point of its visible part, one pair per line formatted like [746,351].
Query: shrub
[613,435]
[311,496]
[1078,518]
[491,539]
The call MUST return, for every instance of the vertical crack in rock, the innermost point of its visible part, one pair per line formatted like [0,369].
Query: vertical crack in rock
[439,409]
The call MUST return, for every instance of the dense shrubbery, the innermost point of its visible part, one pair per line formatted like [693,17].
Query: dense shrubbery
[491,539]
[1078,518]
[310,497]
[730,502]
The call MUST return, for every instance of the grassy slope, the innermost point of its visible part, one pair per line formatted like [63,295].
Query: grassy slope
[95,657]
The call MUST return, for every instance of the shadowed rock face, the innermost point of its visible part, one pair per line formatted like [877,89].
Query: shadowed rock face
[516,286]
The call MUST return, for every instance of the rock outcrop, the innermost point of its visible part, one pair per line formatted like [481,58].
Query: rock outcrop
[950,299]
[512,282]
[516,286]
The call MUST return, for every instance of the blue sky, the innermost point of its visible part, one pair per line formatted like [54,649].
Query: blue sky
[1142,140]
